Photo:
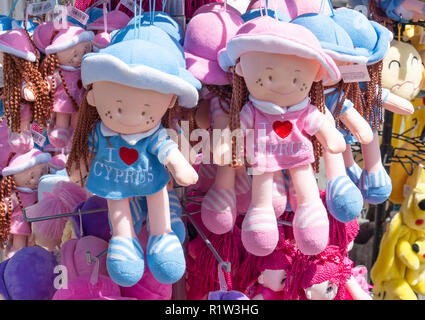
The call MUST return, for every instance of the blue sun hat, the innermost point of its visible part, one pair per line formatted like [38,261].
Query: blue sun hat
[369,37]
[389,7]
[152,34]
[334,39]
[142,64]
[5,23]
[255,13]
[31,24]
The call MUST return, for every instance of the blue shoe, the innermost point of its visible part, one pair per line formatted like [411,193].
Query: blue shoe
[177,224]
[354,172]
[343,199]
[375,187]
[165,258]
[125,261]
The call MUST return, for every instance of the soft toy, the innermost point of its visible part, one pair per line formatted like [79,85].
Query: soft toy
[19,190]
[283,118]
[26,93]
[28,275]
[403,10]
[130,143]
[64,51]
[397,253]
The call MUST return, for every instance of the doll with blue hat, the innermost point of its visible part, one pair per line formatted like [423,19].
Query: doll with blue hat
[121,149]
[403,10]
[344,200]
[374,41]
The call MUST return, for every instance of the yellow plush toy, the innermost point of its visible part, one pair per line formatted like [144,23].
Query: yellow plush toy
[416,276]
[397,256]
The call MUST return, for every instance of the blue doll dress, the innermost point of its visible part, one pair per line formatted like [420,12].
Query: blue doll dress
[125,166]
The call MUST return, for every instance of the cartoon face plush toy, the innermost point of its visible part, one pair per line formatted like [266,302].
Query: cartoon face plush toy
[402,71]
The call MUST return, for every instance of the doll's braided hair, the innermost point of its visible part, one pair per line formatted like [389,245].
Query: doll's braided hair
[223,93]
[15,71]
[317,99]
[372,96]
[80,153]
[7,189]
[177,114]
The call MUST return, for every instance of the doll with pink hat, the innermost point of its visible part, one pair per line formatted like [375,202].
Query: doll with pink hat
[25,93]
[281,65]
[64,49]
[18,190]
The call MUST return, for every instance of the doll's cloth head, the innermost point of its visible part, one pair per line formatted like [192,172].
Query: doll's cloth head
[334,40]
[369,37]
[152,34]
[17,43]
[141,64]
[93,224]
[49,40]
[206,34]
[269,35]
[25,161]
[28,275]
[74,256]
[115,20]
[82,289]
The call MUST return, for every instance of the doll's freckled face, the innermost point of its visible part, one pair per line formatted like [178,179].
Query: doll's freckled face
[29,178]
[322,291]
[284,80]
[129,110]
[73,56]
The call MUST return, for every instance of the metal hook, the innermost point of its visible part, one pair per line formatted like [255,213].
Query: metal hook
[91,259]
[58,216]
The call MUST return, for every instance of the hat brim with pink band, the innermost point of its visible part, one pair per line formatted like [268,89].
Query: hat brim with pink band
[22,162]
[206,70]
[16,42]
[268,35]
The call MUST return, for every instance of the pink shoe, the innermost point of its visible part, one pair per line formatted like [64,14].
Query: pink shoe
[58,162]
[218,211]
[21,143]
[206,175]
[311,227]
[243,192]
[279,197]
[259,231]
[59,137]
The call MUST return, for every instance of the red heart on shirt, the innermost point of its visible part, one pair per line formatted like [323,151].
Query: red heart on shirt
[129,156]
[282,129]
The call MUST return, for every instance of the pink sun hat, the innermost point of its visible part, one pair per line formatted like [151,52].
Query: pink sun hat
[207,33]
[115,20]
[266,34]
[17,43]
[216,6]
[24,161]
[50,40]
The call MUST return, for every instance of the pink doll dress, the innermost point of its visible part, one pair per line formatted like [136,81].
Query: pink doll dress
[62,102]
[18,225]
[281,141]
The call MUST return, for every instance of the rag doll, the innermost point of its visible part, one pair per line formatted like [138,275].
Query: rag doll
[344,199]
[55,197]
[279,120]
[373,181]
[120,150]
[403,10]
[18,190]
[25,93]
[64,50]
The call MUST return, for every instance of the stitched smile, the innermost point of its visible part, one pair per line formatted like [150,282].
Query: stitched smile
[283,94]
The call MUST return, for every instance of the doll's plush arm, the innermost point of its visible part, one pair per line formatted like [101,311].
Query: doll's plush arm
[329,137]
[180,169]
[398,105]
[357,293]
[357,125]
[406,255]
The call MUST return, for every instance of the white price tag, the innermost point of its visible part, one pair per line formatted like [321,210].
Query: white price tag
[78,15]
[40,8]
[129,4]
[354,73]
[39,139]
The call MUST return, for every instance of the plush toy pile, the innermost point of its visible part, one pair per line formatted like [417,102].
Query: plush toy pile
[135,153]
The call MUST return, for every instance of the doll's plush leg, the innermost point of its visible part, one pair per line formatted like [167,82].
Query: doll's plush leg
[177,224]
[352,168]
[259,227]
[243,190]
[18,242]
[125,259]
[61,134]
[343,199]
[311,224]
[165,256]
[279,195]
[375,183]
[218,211]
[206,174]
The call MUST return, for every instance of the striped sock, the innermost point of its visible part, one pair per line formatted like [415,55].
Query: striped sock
[259,231]
[243,192]
[376,187]
[279,196]
[354,173]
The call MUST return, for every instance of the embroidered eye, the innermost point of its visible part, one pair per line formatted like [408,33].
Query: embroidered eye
[119,110]
[329,289]
[295,81]
[143,113]
[270,78]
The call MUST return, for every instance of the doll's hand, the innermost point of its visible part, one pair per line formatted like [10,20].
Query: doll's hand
[181,170]
[329,137]
[28,94]
[398,105]
[357,125]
